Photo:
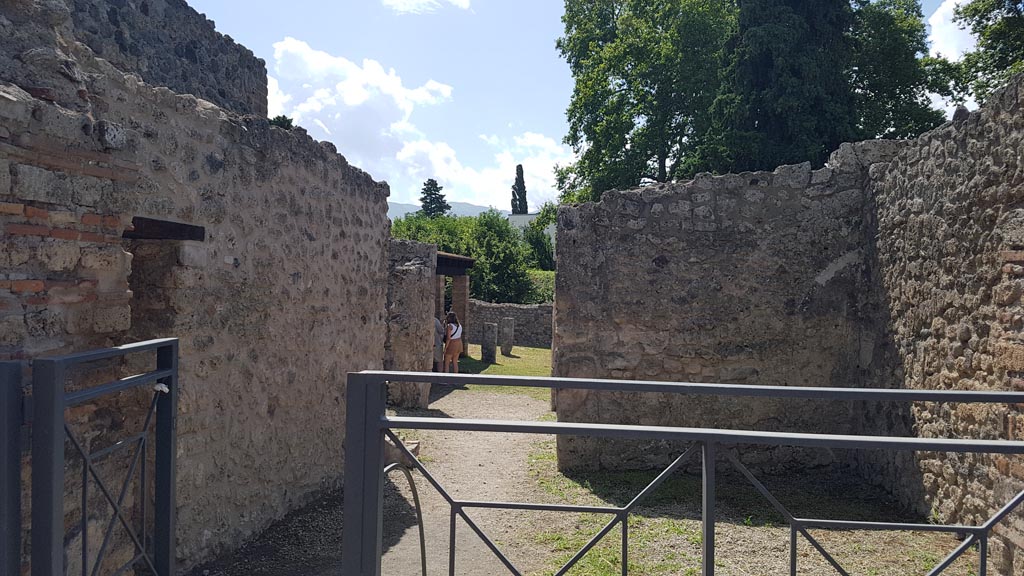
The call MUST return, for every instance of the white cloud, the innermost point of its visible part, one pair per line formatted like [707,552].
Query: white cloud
[490,185]
[367,110]
[355,84]
[946,37]
[276,98]
[421,6]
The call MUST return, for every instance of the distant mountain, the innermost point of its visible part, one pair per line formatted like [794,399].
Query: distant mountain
[398,209]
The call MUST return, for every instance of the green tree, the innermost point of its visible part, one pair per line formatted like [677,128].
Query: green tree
[891,73]
[541,250]
[452,234]
[786,97]
[519,205]
[547,216]
[432,200]
[500,271]
[646,73]
[282,121]
[999,28]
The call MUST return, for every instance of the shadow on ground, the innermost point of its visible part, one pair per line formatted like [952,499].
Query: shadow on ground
[833,493]
[307,542]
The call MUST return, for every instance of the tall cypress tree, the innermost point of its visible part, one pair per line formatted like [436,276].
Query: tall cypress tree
[432,201]
[519,205]
[786,97]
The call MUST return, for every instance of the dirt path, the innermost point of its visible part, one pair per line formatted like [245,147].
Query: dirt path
[471,466]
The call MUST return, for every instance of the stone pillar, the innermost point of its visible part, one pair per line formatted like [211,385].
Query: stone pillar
[507,334]
[460,304]
[439,297]
[489,343]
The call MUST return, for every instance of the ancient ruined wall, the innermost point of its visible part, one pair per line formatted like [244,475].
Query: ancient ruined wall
[533,321]
[285,294]
[165,42]
[748,278]
[410,318]
[170,44]
[950,223]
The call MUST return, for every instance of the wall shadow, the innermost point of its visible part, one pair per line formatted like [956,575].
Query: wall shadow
[308,540]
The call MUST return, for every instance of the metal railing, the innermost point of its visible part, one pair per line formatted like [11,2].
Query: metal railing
[50,431]
[368,426]
[11,418]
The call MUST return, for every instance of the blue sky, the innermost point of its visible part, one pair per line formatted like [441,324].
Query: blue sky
[457,90]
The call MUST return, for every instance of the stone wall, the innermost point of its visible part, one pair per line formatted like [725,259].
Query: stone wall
[533,321]
[741,278]
[900,264]
[170,44]
[283,297]
[165,42]
[410,318]
[949,212]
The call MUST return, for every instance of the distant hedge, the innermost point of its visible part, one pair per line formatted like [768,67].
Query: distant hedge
[543,286]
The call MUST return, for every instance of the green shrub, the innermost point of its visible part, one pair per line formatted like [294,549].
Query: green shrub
[543,286]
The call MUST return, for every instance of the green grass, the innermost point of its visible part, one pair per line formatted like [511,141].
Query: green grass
[523,362]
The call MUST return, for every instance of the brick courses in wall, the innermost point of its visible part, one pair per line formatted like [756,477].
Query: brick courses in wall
[285,296]
[532,321]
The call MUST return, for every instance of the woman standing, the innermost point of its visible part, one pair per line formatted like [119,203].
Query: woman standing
[453,349]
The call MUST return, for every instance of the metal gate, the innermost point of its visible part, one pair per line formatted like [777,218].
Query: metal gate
[45,411]
[368,425]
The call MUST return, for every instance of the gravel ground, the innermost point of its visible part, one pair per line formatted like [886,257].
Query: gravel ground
[664,535]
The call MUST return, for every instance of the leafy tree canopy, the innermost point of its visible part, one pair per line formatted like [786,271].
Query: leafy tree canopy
[786,97]
[282,121]
[999,27]
[891,72]
[646,72]
[500,271]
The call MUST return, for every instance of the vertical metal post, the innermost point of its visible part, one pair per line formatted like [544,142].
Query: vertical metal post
[47,468]
[362,537]
[11,418]
[792,550]
[983,555]
[625,544]
[451,543]
[165,478]
[708,515]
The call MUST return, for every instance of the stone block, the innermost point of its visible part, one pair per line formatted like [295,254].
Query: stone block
[13,331]
[794,176]
[58,255]
[5,178]
[31,183]
[489,343]
[111,319]
[507,335]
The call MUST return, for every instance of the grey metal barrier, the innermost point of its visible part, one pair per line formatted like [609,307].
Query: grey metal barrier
[11,418]
[368,425]
[49,433]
